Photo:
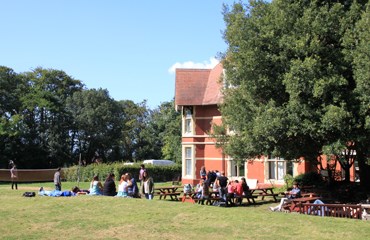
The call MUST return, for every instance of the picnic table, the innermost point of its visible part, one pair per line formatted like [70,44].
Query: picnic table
[188,197]
[167,191]
[294,204]
[264,192]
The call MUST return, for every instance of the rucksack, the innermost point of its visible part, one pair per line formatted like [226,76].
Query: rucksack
[29,194]
[187,188]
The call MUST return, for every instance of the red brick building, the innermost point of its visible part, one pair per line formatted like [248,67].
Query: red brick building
[197,96]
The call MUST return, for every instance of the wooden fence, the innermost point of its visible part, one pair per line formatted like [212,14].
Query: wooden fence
[29,175]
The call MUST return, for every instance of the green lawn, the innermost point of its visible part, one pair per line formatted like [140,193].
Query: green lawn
[87,217]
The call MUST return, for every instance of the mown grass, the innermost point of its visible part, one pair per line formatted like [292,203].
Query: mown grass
[86,217]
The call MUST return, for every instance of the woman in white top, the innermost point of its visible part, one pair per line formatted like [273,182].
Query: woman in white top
[122,187]
[96,187]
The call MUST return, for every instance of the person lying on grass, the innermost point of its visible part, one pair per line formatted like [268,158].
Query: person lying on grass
[56,193]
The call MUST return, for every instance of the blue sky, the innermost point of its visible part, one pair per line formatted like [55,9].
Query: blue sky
[128,47]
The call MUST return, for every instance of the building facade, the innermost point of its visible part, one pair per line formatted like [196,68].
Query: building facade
[198,95]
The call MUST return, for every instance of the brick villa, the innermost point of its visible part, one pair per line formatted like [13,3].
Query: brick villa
[197,96]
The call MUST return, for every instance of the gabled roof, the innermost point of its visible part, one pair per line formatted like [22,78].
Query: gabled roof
[198,86]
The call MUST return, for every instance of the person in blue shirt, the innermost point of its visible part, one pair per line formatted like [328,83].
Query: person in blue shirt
[58,193]
[294,193]
[132,189]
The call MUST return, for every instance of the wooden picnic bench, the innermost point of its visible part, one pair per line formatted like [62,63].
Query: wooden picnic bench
[264,192]
[250,198]
[163,192]
[332,210]
[293,205]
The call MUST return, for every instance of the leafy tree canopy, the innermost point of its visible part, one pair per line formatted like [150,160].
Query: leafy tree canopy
[298,76]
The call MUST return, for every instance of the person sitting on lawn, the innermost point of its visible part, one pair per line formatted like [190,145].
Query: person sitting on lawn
[109,188]
[122,187]
[96,188]
[294,193]
[132,190]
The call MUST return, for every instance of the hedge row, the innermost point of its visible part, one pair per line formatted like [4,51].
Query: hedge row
[85,174]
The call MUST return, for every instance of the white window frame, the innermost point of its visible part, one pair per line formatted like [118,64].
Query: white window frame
[235,169]
[278,176]
[188,121]
[188,161]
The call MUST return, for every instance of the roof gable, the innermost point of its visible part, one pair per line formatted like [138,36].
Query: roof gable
[198,86]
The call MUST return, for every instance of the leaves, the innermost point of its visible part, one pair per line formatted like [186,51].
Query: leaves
[300,77]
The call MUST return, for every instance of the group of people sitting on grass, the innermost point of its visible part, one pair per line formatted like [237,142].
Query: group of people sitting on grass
[127,187]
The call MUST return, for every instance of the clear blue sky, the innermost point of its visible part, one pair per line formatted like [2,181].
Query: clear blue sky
[127,47]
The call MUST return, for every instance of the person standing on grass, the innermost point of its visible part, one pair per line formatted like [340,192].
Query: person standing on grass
[141,173]
[222,182]
[147,186]
[203,173]
[14,176]
[57,181]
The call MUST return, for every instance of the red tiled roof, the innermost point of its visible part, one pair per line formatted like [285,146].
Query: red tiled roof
[198,86]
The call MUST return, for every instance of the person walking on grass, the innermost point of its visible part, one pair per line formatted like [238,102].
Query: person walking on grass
[57,181]
[14,176]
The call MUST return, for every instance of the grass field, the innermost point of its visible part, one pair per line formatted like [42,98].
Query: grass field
[88,217]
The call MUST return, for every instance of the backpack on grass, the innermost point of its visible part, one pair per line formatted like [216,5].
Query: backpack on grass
[29,194]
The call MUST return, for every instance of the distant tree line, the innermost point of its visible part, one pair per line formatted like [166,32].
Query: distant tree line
[50,119]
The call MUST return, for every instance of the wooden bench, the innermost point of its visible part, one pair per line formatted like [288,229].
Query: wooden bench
[332,210]
[250,198]
[263,195]
[173,195]
[212,200]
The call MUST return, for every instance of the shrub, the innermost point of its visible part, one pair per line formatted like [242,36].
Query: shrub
[158,173]
[288,179]
[308,179]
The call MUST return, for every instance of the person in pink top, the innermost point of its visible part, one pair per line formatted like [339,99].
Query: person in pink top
[230,193]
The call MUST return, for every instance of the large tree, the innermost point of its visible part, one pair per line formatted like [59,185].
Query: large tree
[97,124]
[11,89]
[292,89]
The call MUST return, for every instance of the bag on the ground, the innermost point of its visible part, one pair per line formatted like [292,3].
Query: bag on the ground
[29,194]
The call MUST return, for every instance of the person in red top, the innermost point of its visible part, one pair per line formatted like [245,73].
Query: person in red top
[239,191]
